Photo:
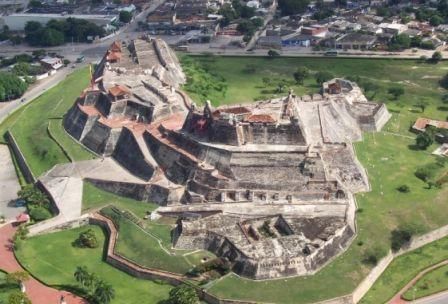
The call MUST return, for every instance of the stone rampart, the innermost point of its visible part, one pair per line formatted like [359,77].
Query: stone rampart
[20,158]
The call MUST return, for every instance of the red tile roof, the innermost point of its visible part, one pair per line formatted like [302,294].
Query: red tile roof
[260,118]
[22,218]
[421,123]
[118,90]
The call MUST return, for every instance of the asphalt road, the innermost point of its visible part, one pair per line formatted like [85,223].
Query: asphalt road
[441,298]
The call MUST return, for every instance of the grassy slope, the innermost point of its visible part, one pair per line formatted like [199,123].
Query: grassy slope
[387,157]
[95,198]
[53,259]
[29,125]
[404,268]
[433,282]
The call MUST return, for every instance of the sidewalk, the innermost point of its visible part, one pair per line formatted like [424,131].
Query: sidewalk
[36,291]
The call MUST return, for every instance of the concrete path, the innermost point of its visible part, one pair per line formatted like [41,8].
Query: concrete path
[36,291]
[439,298]
[9,185]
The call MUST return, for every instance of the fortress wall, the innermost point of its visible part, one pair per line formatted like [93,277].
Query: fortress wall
[381,117]
[104,105]
[117,108]
[127,152]
[134,110]
[282,134]
[75,121]
[111,142]
[95,139]
[224,133]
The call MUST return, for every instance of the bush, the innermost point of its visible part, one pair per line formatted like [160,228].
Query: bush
[423,141]
[87,239]
[402,235]
[404,189]
[427,172]
[125,16]
[323,76]
[183,294]
[39,213]
[373,255]
[396,92]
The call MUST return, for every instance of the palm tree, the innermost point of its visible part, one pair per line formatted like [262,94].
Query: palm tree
[81,275]
[104,292]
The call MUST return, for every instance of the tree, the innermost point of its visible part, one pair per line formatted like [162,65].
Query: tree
[435,20]
[104,292]
[323,76]
[125,16]
[18,297]
[183,294]
[396,92]
[32,195]
[400,42]
[423,141]
[426,173]
[15,278]
[11,86]
[436,56]
[81,275]
[273,54]
[87,239]
[293,7]
[404,189]
[402,235]
[300,74]
[39,213]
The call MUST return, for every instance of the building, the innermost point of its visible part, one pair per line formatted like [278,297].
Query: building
[354,41]
[297,39]
[52,63]
[421,123]
[269,42]
[17,22]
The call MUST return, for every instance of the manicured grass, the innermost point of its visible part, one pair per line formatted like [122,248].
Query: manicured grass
[6,289]
[387,156]
[404,269]
[29,125]
[95,198]
[431,283]
[74,151]
[139,246]
[53,259]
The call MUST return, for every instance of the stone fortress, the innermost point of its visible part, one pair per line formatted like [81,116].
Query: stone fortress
[267,185]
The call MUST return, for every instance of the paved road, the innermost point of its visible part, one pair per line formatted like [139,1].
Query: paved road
[40,87]
[441,298]
[9,185]
[36,291]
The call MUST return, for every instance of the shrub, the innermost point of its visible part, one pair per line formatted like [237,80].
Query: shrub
[87,239]
[183,294]
[396,92]
[423,141]
[427,172]
[402,235]
[404,189]
[323,76]
[373,255]
[39,213]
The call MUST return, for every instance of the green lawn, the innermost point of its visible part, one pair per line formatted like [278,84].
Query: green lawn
[404,269]
[387,157]
[136,244]
[95,198]
[6,289]
[431,283]
[52,259]
[29,125]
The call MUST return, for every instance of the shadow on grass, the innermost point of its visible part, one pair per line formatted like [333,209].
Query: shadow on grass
[414,147]
[442,108]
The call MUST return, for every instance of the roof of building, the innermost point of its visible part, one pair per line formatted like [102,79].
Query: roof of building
[356,38]
[421,123]
[265,118]
[22,218]
[118,90]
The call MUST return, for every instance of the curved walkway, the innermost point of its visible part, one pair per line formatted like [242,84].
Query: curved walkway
[36,291]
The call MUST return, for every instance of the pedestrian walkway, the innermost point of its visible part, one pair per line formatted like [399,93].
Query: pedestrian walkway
[9,185]
[36,291]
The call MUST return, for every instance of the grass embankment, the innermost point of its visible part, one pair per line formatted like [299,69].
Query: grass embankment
[149,244]
[404,268]
[388,157]
[52,259]
[5,288]
[431,283]
[29,125]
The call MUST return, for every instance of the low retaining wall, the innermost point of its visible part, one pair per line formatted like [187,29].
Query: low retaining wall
[138,271]
[21,161]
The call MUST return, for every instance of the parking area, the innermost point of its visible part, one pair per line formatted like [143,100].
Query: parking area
[9,185]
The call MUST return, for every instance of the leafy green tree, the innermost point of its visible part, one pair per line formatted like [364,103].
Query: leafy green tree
[300,74]
[427,172]
[396,92]
[15,278]
[183,294]
[87,239]
[423,141]
[125,16]
[32,195]
[81,275]
[435,20]
[436,57]
[18,297]
[323,76]
[11,86]
[402,235]
[104,292]
[39,213]
[293,7]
